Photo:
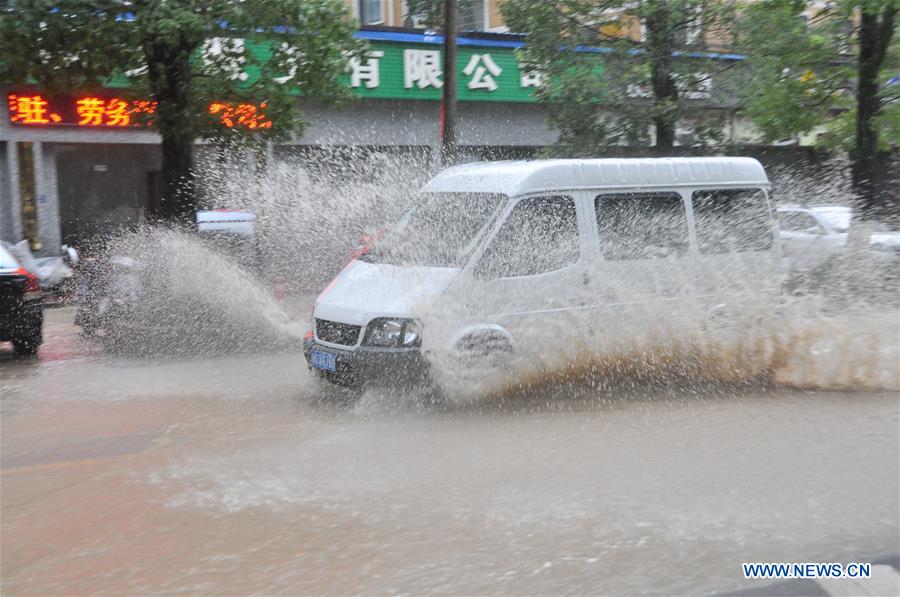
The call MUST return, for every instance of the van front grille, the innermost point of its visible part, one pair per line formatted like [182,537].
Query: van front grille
[337,333]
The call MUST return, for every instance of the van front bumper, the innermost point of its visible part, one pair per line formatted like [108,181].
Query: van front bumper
[366,365]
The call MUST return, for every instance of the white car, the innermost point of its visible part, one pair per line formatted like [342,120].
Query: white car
[811,235]
[500,258]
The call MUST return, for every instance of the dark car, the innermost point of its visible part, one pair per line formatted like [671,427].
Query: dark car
[21,306]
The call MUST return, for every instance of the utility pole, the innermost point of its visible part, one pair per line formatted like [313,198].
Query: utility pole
[448,100]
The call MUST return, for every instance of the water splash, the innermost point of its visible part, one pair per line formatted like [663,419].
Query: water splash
[174,294]
[801,342]
[841,333]
[311,213]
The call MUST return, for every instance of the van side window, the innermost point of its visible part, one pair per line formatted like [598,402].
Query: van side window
[732,220]
[641,225]
[540,235]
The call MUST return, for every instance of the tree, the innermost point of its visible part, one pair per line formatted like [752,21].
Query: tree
[636,86]
[184,55]
[876,30]
[831,68]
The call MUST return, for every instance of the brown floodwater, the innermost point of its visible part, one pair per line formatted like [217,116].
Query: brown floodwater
[224,475]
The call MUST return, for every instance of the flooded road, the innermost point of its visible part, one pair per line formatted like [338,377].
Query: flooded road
[224,475]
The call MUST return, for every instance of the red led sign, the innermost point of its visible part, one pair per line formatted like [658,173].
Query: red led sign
[31,109]
[241,115]
[117,113]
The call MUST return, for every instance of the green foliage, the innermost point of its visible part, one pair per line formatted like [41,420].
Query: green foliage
[888,119]
[64,48]
[804,71]
[797,72]
[888,122]
[603,99]
[840,130]
[78,45]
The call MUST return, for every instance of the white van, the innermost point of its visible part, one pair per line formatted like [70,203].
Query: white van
[519,250]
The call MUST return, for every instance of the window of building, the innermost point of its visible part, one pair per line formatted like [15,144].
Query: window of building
[414,20]
[540,235]
[732,220]
[797,221]
[641,225]
[370,12]
[471,15]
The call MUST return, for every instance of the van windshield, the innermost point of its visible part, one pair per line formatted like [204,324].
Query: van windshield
[441,231]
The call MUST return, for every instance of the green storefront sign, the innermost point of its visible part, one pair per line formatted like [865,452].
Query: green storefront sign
[414,71]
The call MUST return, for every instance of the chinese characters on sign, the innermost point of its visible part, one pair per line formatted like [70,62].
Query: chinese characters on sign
[482,69]
[422,68]
[531,79]
[370,72]
[248,116]
[95,111]
[30,109]
[116,113]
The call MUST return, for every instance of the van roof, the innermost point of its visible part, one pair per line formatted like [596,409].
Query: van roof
[519,177]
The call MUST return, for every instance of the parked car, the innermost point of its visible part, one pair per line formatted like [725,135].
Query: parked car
[525,249]
[55,273]
[812,235]
[21,305]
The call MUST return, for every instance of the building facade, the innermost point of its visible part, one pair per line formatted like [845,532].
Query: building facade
[475,15]
[75,165]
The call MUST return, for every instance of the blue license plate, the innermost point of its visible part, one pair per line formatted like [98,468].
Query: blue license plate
[322,360]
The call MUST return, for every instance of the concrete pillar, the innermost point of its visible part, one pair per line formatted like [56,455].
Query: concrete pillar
[10,206]
[47,197]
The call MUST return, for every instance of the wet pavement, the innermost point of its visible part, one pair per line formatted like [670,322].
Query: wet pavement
[223,475]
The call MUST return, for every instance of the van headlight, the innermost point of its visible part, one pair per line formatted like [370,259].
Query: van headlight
[393,333]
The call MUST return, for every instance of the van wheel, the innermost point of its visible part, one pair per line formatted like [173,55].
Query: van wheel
[486,349]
